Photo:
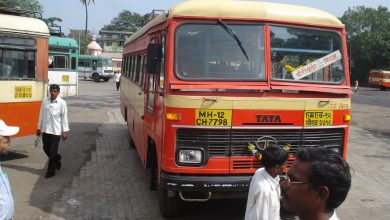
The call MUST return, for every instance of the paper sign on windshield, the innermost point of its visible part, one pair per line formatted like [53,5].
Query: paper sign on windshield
[316,65]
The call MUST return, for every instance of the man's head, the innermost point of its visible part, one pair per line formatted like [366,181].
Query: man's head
[319,181]
[274,159]
[54,90]
[5,133]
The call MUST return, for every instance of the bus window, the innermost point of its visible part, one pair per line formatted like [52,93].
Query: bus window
[138,71]
[81,63]
[209,52]
[294,48]
[151,92]
[17,64]
[17,60]
[94,65]
[73,63]
[107,62]
[60,62]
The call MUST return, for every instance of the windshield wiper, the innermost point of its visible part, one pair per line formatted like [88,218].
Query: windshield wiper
[234,35]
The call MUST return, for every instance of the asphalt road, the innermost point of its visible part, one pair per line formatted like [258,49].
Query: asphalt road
[368,155]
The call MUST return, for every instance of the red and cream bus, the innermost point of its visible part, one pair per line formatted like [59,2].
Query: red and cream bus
[207,79]
[379,78]
[23,68]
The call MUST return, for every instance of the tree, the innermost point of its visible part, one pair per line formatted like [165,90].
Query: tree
[27,5]
[82,39]
[368,38]
[125,21]
[51,23]
[86,3]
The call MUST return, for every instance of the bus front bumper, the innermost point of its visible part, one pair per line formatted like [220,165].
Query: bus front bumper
[206,183]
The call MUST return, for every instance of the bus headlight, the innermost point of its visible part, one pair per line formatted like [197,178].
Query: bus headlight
[190,156]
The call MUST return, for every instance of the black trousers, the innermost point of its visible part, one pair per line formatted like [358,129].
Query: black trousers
[117,85]
[50,146]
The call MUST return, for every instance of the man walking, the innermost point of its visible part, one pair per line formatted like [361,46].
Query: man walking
[316,184]
[117,80]
[53,124]
[264,192]
[6,199]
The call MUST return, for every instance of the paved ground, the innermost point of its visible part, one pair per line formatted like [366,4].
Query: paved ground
[111,183]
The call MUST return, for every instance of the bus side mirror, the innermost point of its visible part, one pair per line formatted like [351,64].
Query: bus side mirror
[153,63]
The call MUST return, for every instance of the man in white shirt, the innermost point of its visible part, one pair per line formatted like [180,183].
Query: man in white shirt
[53,124]
[316,184]
[6,199]
[117,80]
[264,192]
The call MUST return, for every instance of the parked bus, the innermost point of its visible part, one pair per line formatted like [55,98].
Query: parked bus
[95,67]
[379,78]
[206,81]
[63,58]
[23,68]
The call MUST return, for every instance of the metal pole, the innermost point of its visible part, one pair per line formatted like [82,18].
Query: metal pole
[79,43]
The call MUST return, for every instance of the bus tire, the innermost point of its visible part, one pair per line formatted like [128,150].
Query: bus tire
[383,88]
[169,206]
[96,77]
[131,142]
[152,164]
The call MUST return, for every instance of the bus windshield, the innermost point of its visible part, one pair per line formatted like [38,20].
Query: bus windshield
[107,63]
[209,52]
[306,55]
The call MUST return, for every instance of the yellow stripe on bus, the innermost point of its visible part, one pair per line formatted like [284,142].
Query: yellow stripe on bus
[209,102]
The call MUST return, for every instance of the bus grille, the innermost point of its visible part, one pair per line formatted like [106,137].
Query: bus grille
[234,142]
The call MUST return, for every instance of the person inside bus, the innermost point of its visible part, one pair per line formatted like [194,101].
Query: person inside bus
[264,192]
[6,199]
[316,184]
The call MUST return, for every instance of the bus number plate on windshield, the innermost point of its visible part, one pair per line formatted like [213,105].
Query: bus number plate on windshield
[213,117]
[318,118]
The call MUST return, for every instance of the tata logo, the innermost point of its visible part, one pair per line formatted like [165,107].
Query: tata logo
[268,118]
[266,141]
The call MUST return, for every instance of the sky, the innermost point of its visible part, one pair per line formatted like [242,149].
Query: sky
[72,12]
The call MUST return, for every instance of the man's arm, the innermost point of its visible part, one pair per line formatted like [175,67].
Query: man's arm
[64,120]
[40,119]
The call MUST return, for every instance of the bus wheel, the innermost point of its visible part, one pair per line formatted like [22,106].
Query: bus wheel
[152,164]
[169,204]
[383,88]
[131,142]
[96,77]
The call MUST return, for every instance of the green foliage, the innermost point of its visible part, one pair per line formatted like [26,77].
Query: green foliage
[368,36]
[125,21]
[51,23]
[27,5]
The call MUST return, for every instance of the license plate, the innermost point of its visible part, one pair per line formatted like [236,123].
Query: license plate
[217,118]
[318,118]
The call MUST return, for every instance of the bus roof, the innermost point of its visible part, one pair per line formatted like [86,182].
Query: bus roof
[92,57]
[236,9]
[23,25]
[62,42]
